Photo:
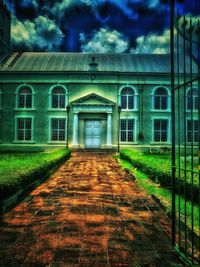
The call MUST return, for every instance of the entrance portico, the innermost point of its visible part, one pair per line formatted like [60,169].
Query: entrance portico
[92,122]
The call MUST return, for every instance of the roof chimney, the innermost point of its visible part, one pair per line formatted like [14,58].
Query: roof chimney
[93,65]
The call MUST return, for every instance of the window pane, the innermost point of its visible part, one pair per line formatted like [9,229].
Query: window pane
[192,130]
[20,135]
[160,130]
[157,124]
[21,101]
[164,124]
[164,102]
[20,123]
[25,90]
[58,129]
[123,124]
[192,100]
[123,136]
[58,97]
[62,101]
[61,135]
[123,102]
[25,98]
[58,90]
[55,124]
[196,102]
[130,124]
[24,129]
[130,102]
[61,124]
[157,136]
[157,102]
[28,101]
[164,136]
[127,91]
[189,125]
[127,130]
[161,92]
[28,123]
[54,135]
[55,101]
[130,136]
[28,135]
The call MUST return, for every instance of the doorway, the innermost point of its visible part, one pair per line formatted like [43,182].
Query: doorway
[92,133]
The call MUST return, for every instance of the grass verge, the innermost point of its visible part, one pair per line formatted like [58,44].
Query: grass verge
[158,169]
[163,195]
[19,170]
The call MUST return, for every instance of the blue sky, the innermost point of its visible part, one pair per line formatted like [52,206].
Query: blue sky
[136,26]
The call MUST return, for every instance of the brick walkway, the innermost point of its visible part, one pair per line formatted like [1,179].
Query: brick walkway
[89,213]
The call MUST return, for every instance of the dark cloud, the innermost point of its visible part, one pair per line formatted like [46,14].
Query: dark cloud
[131,18]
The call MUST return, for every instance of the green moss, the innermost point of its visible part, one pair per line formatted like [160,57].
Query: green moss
[19,170]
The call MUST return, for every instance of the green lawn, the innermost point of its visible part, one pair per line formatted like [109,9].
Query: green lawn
[163,195]
[158,169]
[19,170]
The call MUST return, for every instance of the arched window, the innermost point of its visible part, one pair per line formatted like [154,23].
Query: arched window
[25,97]
[58,96]
[161,99]
[192,99]
[127,98]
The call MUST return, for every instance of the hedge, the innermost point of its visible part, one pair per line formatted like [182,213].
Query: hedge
[158,169]
[20,170]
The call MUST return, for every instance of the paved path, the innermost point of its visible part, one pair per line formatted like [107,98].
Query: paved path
[89,213]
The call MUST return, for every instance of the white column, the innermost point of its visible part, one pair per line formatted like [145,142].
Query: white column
[75,130]
[109,129]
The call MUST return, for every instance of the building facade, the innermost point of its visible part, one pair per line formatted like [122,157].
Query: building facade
[86,100]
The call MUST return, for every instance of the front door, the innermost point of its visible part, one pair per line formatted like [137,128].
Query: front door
[92,133]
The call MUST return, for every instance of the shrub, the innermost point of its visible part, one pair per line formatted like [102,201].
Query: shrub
[20,170]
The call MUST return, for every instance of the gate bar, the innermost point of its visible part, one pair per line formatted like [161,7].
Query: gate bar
[172,16]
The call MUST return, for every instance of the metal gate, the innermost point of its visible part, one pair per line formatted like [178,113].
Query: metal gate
[185,81]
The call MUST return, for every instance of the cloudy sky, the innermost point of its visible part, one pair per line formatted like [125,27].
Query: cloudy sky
[136,26]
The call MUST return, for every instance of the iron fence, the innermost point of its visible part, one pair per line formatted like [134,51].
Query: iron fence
[185,80]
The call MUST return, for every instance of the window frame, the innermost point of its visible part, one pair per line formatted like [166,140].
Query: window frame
[194,120]
[194,96]
[135,119]
[32,98]
[168,119]
[51,108]
[135,98]
[32,129]
[50,129]
[168,109]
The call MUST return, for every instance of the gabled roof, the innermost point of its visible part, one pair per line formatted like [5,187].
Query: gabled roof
[92,99]
[79,62]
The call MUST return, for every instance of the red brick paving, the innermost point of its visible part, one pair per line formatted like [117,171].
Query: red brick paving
[88,213]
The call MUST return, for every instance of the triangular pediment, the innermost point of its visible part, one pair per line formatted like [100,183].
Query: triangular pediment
[92,99]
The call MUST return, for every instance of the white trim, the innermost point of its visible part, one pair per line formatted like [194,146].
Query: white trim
[135,97]
[168,99]
[49,138]
[17,97]
[168,129]
[32,129]
[66,97]
[92,108]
